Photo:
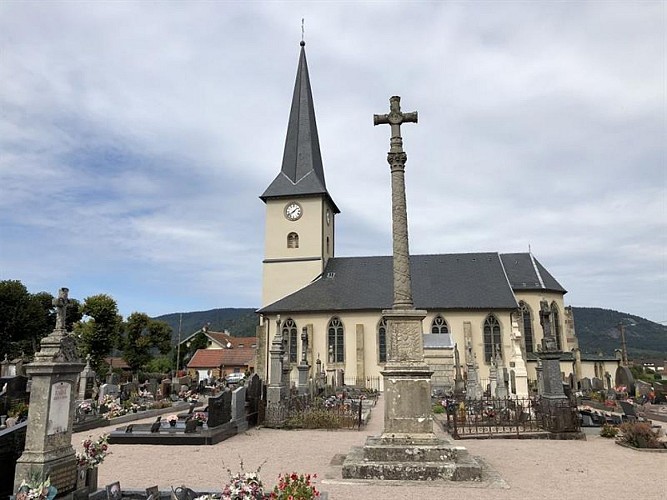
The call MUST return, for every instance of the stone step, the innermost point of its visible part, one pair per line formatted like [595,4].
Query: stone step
[358,466]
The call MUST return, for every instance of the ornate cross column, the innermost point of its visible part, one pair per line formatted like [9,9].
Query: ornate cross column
[407,379]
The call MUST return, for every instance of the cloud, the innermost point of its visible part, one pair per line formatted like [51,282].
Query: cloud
[137,137]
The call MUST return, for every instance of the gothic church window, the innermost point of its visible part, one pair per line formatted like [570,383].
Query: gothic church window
[527,327]
[336,341]
[555,325]
[382,341]
[439,325]
[292,240]
[290,333]
[492,339]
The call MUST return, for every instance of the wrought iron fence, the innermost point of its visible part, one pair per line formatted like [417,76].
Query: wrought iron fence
[509,416]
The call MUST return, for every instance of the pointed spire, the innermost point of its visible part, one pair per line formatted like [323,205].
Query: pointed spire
[301,172]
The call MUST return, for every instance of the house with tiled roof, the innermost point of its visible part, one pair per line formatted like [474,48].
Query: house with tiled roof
[223,355]
[485,303]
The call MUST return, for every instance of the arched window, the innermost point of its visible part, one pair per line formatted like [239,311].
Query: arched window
[336,341]
[292,240]
[555,325]
[290,335]
[492,339]
[439,325]
[527,327]
[382,341]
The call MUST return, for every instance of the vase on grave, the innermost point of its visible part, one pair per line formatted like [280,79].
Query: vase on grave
[91,480]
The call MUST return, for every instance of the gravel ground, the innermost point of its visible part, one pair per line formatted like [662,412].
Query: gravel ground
[515,469]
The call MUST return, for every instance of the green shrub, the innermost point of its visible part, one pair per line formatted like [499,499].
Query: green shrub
[438,408]
[639,435]
[316,419]
[608,431]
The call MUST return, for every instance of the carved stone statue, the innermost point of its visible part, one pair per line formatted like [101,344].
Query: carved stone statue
[60,303]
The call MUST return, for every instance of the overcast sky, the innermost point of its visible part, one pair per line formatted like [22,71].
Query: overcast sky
[135,139]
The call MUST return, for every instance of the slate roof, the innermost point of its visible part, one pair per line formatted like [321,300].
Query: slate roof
[214,358]
[301,173]
[446,281]
[526,273]
[222,339]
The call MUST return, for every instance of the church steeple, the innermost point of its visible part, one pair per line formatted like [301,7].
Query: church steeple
[301,172]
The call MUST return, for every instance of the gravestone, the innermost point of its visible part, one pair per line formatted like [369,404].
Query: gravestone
[152,387]
[220,409]
[165,387]
[109,390]
[16,390]
[190,426]
[238,409]
[597,384]
[254,397]
[586,385]
[55,370]
[624,380]
[86,380]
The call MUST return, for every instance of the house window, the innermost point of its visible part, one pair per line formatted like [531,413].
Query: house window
[290,334]
[382,341]
[292,240]
[555,325]
[491,338]
[336,341]
[527,327]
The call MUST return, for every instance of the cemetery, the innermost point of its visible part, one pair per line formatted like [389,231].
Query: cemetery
[124,415]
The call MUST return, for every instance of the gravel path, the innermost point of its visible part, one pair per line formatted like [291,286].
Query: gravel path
[517,469]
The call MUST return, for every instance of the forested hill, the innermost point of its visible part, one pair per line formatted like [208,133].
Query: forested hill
[239,322]
[597,329]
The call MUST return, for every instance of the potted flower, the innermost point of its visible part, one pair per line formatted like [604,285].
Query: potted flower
[85,407]
[295,485]
[93,454]
[172,419]
[200,418]
[36,489]
[244,485]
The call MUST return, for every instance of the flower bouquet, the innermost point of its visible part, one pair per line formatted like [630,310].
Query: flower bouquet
[200,418]
[244,485]
[94,452]
[172,419]
[295,486]
[36,489]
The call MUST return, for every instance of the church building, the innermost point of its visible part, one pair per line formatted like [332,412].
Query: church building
[486,303]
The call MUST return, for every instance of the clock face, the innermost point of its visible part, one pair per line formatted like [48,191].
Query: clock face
[293,211]
[328,217]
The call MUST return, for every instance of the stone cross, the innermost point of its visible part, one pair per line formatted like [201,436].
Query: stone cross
[60,303]
[395,118]
[548,340]
[397,159]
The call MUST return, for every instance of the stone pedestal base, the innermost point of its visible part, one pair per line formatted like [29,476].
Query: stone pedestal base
[407,400]
[61,469]
[413,459]
[276,414]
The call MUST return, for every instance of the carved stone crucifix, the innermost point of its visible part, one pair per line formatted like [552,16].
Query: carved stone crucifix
[399,213]
[395,118]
